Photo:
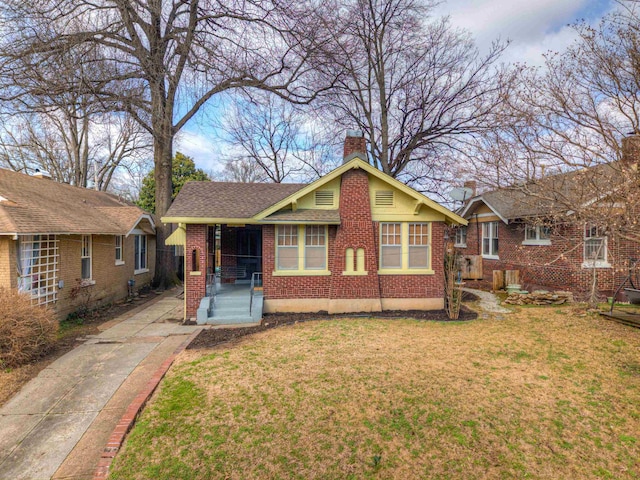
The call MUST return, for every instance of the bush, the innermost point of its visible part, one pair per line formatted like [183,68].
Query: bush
[26,331]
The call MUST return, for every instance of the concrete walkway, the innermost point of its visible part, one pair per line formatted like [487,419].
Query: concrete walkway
[59,423]
[487,301]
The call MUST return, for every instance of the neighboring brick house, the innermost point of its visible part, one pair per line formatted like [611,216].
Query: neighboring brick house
[355,240]
[520,229]
[69,247]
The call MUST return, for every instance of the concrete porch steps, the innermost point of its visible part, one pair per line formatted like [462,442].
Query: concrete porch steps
[230,306]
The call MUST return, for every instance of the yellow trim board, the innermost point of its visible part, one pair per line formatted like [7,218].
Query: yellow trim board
[357,163]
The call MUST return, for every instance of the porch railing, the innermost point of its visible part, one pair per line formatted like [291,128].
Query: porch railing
[256,281]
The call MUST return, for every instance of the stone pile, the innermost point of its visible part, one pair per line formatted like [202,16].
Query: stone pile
[539,297]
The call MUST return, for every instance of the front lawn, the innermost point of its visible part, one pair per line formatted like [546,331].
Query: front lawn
[542,393]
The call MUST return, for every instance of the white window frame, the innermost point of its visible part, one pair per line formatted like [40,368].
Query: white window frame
[138,256]
[119,249]
[318,233]
[388,239]
[461,237]
[490,232]
[299,233]
[594,233]
[413,246]
[536,235]
[86,253]
[38,267]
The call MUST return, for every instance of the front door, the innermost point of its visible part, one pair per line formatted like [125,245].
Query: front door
[249,250]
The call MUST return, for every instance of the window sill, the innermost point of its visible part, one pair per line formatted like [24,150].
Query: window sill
[596,265]
[300,273]
[491,257]
[142,270]
[460,245]
[87,282]
[354,274]
[408,271]
[119,262]
[195,273]
[536,242]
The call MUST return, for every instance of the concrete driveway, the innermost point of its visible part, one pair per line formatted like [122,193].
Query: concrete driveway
[59,423]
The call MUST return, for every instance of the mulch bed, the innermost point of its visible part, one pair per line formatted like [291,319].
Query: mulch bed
[211,337]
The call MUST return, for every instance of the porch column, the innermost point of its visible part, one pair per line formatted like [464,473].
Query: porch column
[195,257]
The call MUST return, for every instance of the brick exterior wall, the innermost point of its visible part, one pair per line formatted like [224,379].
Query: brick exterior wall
[557,266]
[110,279]
[195,280]
[356,230]
[418,286]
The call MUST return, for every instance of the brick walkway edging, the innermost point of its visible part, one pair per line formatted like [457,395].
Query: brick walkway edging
[135,407]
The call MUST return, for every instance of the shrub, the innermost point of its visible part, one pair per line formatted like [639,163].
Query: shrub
[26,331]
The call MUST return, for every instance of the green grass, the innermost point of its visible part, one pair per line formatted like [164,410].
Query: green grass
[521,397]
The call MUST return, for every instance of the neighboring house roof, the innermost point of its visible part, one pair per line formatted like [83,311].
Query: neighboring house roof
[32,205]
[221,202]
[549,195]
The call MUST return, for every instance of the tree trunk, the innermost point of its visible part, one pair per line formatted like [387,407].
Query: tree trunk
[165,274]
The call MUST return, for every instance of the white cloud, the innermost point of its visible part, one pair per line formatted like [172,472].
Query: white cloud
[200,146]
[533,26]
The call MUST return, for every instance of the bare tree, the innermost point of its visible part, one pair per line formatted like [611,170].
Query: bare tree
[278,137]
[413,84]
[74,144]
[160,61]
[243,170]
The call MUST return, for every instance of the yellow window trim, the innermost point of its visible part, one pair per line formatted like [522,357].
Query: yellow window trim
[301,271]
[404,243]
[408,271]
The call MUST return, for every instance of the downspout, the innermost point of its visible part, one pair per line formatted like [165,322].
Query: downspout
[477,233]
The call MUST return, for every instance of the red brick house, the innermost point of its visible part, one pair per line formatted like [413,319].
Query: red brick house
[552,247]
[355,240]
[69,247]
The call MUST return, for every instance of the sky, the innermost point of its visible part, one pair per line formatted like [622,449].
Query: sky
[533,28]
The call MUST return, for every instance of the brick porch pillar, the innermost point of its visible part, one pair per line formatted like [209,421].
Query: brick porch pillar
[195,257]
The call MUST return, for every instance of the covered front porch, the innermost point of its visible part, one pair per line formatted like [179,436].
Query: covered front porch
[222,272]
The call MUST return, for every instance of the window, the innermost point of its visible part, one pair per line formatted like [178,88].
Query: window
[38,267]
[140,253]
[390,245]
[461,237]
[287,249]
[418,245]
[119,239]
[308,255]
[85,257]
[595,247]
[405,247]
[536,235]
[490,239]
[315,248]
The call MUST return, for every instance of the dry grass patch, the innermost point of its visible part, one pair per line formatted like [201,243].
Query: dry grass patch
[543,393]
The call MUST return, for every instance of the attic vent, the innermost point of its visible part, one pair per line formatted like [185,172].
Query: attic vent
[324,197]
[384,198]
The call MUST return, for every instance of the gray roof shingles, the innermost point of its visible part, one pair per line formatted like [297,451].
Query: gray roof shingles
[228,199]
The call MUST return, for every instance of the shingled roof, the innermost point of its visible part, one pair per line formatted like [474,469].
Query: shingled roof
[228,199]
[550,195]
[32,205]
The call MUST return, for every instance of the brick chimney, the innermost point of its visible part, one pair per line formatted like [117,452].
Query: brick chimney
[631,151]
[471,184]
[354,143]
